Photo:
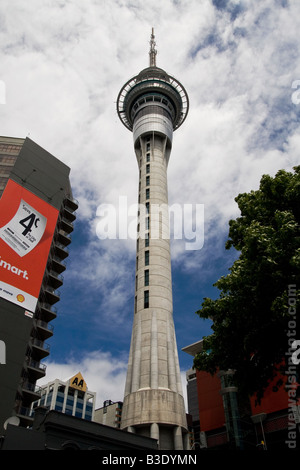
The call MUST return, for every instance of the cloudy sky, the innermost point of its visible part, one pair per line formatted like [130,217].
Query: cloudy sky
[62,64]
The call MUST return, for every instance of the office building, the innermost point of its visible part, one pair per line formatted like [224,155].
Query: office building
[109,414]
[36,220]
[71,397]
[152,105]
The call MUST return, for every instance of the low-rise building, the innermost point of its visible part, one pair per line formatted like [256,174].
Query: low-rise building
[70,397]
[109,414]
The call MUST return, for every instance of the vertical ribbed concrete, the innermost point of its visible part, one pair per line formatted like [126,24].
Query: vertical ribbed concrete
[153,393]
[153,400]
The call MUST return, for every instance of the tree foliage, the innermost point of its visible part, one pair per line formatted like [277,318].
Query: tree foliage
[250,317]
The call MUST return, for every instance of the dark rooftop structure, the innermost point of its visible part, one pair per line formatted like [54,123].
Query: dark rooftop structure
[53,430]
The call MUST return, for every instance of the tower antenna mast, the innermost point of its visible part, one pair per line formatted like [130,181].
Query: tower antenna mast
[153,51]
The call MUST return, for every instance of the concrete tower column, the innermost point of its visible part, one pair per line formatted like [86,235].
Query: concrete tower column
[152,105]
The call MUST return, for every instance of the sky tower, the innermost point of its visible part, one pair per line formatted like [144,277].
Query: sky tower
[152,105]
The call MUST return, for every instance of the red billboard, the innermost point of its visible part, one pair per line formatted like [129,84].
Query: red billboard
[27,225]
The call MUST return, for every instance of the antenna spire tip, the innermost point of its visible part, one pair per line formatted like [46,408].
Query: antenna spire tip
[153,51]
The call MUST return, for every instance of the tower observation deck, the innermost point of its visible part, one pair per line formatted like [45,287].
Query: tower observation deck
[152,91]
[152,105]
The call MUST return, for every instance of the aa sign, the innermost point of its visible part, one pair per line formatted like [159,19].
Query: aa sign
[27,225]
[78,382]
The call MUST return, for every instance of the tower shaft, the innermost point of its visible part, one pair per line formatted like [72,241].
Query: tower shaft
[153,401]
[152,105]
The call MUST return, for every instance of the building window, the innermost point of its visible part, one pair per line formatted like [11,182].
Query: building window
[136,283]
[147,257]
[49,399]
[44,401]
[3,179]
[146,277]
[146,299]
[147,207]
[147,180]
[89,411]
[11,160]
[148,157]
[147,223]
[148,193]
[148,148]
[147,239]
[148,168]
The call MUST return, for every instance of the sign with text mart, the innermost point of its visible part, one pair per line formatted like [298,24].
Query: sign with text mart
[27,225]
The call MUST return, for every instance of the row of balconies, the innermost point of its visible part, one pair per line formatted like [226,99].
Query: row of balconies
[33,370]
[38,349]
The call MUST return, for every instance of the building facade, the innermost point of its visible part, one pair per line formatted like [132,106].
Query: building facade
[226,422]
[9,151]
[36,220]
[71,397]
[109,414]
[53,430]
[193,406]
[152,105]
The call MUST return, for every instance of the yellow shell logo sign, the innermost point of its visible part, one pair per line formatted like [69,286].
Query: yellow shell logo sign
[20,298]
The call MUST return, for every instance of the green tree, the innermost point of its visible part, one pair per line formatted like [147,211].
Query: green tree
[250,317]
